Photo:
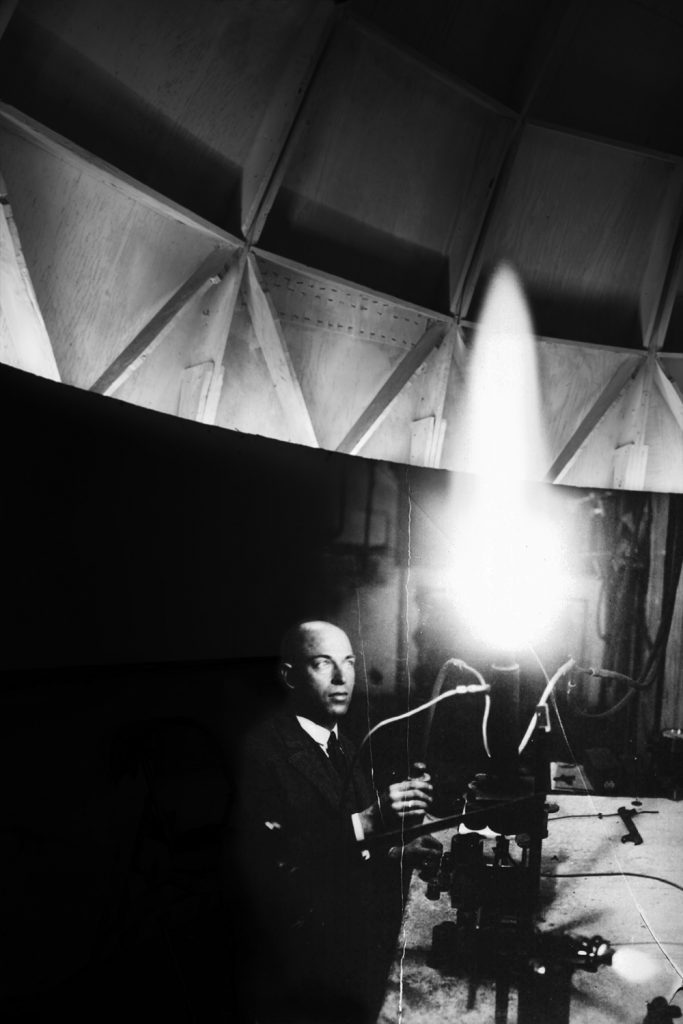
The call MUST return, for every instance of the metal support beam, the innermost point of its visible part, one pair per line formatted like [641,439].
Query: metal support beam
[631,452]
[222,311]
[257,208]
[271,338]
[559,23]
[660,256]
[7,9]
[265,160]
[194,390]
[625,373]
[439,391]
[24,340]
[373,414]
[670,393]
[56,145]
[152,334]
[470,272]
[669,284]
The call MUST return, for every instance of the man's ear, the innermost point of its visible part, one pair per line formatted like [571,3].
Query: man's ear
[285,674]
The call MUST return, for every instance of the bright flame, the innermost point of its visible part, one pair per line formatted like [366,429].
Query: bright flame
[503,431]
[508,571]
[508,566]
[634,965]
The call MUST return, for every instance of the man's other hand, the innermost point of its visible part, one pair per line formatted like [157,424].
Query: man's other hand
[423,852]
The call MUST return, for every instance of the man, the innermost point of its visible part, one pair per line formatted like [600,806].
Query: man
[320,899]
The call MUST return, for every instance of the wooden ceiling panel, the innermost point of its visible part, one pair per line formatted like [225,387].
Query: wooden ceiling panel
[481,41]
[571,379]
[674,335]
[24,341]
[593,465]
[101,263]
[172,92]
[157,382]
[183,374]
[394,439]
[339,377]
[343,343]
[620,75]
[664,439]
[596,464]
[451,455]
[315,303]
[412,430]
[391,441]
[249,402]
[387,169]
[674,369]
[577,221]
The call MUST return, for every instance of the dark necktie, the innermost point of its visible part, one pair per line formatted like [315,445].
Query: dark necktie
[334,752]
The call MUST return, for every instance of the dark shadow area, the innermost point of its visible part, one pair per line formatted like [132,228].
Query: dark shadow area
[117,902]
[43,77]
[635,95]
[140,538]
[337,244]
[597,319]
[674,335]
[151,566]
[484,44]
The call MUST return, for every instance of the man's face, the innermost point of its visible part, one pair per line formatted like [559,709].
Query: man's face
[322,673]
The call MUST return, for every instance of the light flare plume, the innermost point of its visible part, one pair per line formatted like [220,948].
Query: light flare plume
[508,567]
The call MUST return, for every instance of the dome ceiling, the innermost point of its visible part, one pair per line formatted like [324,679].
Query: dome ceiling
[395,153]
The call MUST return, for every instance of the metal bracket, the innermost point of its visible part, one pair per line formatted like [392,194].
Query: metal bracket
[633,835]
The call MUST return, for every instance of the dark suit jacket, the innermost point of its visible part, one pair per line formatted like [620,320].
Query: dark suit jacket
[310,891]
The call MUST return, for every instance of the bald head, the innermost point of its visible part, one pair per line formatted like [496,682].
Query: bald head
[305,634]
[318,667]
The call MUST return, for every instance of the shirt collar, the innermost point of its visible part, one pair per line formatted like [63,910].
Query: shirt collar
[317,732]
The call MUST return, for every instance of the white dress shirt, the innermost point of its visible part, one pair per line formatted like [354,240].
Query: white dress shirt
[317,732]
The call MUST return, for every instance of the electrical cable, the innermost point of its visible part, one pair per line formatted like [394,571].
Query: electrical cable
[458,692]
[472,819]
[621,872]
[598,814]
[622,702]
[610,874]
[673,995]
[605,673]
[461,666]
[569,664]
[673,566]
[538,661]
[600,627]
[485,724]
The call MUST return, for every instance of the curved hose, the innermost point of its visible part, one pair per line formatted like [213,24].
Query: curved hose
[569,664]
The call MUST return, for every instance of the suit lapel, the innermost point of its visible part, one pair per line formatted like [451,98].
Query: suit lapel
[304,754]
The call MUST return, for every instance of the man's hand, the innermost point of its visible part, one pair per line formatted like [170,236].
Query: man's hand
[409,799]
[406,801]
[423,852]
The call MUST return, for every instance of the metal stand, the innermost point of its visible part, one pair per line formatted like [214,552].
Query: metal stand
[494,890]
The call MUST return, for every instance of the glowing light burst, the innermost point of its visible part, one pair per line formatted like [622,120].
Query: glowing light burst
[508,571]
[508,567]
[634,965]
